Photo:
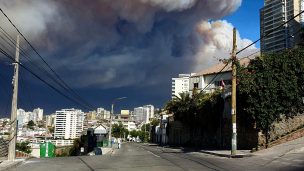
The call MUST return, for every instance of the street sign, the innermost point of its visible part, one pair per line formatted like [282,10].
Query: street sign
[81,149]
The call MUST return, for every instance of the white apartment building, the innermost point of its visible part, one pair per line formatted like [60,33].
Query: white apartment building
[22,118]
[50,120]
[144,114]
[103,114]
[139,114]
[68,123]
[275,13]
[180,84]
[130,125]
[149,110]
[38,113]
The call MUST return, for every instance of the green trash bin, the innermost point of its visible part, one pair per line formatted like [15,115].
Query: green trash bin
[100,144]
[47,150]
[105,143]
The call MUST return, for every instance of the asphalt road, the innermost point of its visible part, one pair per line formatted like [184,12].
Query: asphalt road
[139,157]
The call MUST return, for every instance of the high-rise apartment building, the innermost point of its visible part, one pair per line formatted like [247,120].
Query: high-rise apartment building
[180,84]
[68,123]
[22,118]
[144,114]
[50,120]
[149,110]
[274,14]
[103,114]
[39,114]
[139,114]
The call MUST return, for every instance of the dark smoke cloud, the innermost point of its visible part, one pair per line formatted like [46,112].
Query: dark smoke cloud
[117,43]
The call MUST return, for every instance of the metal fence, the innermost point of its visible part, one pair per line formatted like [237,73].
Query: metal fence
[3,148]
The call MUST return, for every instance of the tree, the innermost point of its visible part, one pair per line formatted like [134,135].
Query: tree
[180,106]
[31,124]
[74,150]
[118,130]
[51,129]
[134,133]
[271,86]
[200,112]
[24,147]
[154,122]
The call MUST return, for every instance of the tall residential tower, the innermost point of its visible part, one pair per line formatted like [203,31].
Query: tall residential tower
[68,123]
[274,14]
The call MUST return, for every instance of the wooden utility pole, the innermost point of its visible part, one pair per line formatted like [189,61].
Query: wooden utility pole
[233,97]
[13,129]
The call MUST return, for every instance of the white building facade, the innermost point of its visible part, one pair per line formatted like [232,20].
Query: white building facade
[211,78]
[24,117]
[180,84]
[38,113]
[50,120]
[103,114]
[68,123]
[144,114]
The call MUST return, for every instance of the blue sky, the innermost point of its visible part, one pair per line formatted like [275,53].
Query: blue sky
[247,19]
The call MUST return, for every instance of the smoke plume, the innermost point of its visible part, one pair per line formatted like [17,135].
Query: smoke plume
[118,43]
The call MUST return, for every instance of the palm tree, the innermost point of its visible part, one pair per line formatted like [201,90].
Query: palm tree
[179,106]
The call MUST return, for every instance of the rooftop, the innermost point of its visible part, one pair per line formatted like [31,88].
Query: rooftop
[218,67]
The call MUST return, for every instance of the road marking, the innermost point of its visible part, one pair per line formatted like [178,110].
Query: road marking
[153,154]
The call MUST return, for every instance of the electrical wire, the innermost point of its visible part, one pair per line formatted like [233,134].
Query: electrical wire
[69,89]
[6,91]
[11,42]
[261,37]
[38,77]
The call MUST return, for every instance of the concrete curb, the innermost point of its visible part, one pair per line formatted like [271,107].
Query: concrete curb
[11,165]
[226,155]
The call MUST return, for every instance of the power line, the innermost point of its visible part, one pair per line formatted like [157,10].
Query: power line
[261,37]
[27,92]
[42,69]
[27,57]
[7,92]
[268,33]
[69,89]
[11,43]
[38,77]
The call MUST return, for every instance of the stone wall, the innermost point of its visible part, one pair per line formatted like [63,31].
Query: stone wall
[282,128]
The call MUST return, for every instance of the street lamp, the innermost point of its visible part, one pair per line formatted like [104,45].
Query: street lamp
[112,112]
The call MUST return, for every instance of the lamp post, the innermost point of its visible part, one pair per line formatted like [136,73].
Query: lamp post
[111,117]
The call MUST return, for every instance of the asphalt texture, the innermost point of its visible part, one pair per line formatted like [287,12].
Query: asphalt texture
[133,157]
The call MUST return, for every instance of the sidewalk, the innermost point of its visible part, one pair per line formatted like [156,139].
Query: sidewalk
[294,146]
[220,153]
[106,150]
[6,165]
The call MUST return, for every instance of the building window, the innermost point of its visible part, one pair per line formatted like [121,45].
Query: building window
[219,83]
[195,85]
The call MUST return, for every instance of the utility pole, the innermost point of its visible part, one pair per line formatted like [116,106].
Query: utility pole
[13,129]
[111,118]
[233,97]
[110,131]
